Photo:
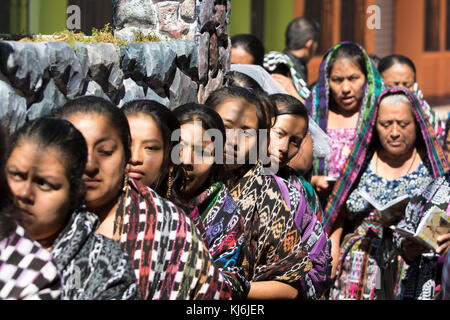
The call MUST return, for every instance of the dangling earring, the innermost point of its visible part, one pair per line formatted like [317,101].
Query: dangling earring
[125,182]
[169,185]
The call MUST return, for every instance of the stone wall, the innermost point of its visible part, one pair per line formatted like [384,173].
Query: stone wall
[35,78]
[204,21]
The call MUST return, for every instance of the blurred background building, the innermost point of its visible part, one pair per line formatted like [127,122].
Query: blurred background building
[419,29]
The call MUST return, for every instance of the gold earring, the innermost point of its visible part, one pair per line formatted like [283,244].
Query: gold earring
[169,185]
[125,182]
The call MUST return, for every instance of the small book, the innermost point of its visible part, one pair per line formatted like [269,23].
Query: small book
[394,208]
[435,223]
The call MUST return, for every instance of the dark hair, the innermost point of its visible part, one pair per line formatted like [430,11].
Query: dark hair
[50,132]
[350,51]
[97,105]
[7,210]
[287,104]
[300,31]
[209,119]
[167,123]
[393,59]
[239,79]
[251,44]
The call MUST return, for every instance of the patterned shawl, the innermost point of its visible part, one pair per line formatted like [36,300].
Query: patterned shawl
[273,248]
[319,100]
[166,251]
[92,266]
[220,224]
[363,150]
[304,202]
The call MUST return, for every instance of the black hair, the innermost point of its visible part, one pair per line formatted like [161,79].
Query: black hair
[300,31]
[287,104]
[239,79]
[167,124]
[50,132]
[251,44]
[97,105]
[393,59]
[350,51]
[209,119]
[7,211]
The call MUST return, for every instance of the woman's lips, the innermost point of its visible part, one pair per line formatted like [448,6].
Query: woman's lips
[136,174]
[92,183]
[348,100]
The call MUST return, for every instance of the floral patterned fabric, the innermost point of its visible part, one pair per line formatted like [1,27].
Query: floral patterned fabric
[92,266]
[219,221]
[341,147]
[369,267]
[422,275]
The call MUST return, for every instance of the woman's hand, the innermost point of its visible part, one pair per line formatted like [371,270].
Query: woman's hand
[287,84]
[412,249]
[444,244]
[321,186]
[271,290]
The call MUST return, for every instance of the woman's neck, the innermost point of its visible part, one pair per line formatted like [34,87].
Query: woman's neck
[396,161]
[340,119]
[47,243]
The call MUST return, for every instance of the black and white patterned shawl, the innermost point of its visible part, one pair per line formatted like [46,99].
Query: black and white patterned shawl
[92,266]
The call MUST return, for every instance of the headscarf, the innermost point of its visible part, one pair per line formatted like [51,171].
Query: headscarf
[271,62]
[361,152]
[319,100]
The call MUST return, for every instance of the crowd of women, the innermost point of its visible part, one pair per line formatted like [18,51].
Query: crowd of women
[143,202]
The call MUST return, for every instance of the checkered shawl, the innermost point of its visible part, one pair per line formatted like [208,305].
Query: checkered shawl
[319,100]
[363,150]
[170,260]
[27,270]
[271,62]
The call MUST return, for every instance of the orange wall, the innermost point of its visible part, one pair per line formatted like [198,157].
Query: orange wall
[433,68]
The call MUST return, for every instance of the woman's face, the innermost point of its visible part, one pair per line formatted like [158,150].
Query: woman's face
[40,187]
[241,124]
[399,75]
[303,161]
[347,84]
[286,138]
[396,128]
[240,56]
[197,157]
[147,149]
[105,167]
